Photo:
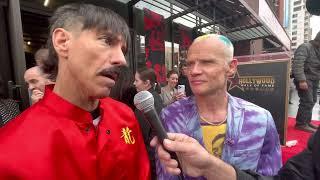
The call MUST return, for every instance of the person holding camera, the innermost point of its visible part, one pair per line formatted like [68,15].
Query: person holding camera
[170,93]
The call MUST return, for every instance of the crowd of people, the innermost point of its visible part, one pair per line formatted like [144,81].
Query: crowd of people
[83,124]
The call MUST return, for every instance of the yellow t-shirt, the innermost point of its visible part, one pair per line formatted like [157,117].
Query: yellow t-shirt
[213,137]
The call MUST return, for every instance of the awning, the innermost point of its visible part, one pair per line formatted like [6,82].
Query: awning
[232,18]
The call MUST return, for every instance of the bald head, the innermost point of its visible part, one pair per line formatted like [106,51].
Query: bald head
[218,44]
[32,71]
[35,79]
[209,64]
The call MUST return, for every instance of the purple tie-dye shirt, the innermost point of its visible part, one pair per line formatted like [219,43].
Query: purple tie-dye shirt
[252,140]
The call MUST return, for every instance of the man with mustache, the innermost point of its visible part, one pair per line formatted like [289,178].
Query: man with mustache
[76,131]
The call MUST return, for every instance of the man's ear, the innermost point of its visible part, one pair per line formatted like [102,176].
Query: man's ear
[60,41]
[232,67]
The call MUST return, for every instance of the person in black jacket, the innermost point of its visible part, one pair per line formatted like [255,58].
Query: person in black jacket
[146,80]
[124,89]
[183,80]
[306,73]
[196,161]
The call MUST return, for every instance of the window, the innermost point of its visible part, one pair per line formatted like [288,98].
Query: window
[293,44]
[294,15]
[294,27]
[297,2]
[297,9]
[294,33]
[294,38]
[294,21]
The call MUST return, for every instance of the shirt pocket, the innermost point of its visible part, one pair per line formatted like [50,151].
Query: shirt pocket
[246,158]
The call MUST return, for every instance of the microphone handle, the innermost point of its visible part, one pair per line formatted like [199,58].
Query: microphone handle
[174,156]
[156,125]
[154,120]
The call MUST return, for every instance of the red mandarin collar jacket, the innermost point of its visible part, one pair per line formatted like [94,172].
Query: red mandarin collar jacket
[55,139]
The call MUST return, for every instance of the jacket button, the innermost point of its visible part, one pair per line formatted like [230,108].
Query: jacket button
[108,131]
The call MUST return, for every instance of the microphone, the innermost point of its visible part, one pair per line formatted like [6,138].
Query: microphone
[144,102]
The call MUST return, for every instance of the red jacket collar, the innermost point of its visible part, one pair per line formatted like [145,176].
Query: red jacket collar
[64,108]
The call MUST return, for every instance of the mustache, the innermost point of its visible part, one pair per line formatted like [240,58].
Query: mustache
[112,73]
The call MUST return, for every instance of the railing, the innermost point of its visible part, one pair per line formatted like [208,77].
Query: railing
[264,57]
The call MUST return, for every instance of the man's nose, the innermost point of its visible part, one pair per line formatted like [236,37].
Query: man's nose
[118,57]
[195,69]
[31,87]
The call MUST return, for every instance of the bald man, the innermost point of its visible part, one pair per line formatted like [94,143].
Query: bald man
[232,129]
[36,82]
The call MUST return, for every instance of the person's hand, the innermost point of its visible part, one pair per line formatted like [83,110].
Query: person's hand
[193,157]
[179,95]
[303,85]
[36,96]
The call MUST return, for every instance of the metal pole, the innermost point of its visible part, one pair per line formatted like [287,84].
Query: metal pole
[198,22]
[171,34]
[17,51]
[214,18]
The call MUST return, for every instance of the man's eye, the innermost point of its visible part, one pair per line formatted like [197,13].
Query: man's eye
[189,65]
[108,41]
[206,62]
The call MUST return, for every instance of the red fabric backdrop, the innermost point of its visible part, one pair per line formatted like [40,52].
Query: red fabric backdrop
[154,28]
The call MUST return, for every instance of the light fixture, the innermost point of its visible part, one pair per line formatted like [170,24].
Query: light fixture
[29,43]
[230,1]
[46,3]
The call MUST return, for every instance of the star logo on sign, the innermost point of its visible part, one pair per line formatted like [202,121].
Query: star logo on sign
[234,82]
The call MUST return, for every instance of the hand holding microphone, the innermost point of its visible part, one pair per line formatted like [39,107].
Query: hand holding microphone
[144,101]
[195,159]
